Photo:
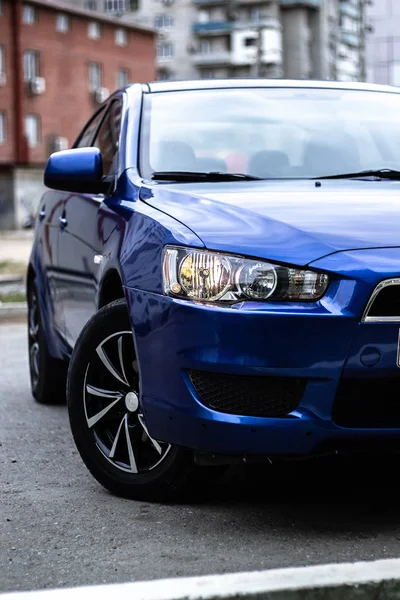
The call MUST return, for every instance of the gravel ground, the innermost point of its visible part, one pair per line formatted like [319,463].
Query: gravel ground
[58,527]
[16,245]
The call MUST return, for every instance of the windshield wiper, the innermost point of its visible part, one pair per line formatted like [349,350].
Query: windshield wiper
[201,176]
[380,173]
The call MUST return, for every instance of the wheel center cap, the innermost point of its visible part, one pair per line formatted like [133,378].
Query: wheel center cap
[131,402]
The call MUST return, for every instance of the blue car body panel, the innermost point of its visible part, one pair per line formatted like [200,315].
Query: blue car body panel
[286,221]
[349,229]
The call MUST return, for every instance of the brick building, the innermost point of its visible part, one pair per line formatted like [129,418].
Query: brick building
[57,63]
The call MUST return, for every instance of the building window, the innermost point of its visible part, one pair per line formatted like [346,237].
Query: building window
[62,23]
[203,16]
[28,15]
[2,127]
[121,37]
[255,14]
[165,50]
[122,78]
[349,25]
[91,5]
[207,74]
[1,8]
[250,41]
[163,21]
[205,47]
[32,130]
[95,77]
[114,6]
[31,65]
[2,63]
[94,30]
[164,76]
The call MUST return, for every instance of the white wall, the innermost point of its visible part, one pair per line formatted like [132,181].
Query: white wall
[28,189]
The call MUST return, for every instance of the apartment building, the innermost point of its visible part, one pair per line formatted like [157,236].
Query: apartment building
[58,62]
[383,42]
[317,39]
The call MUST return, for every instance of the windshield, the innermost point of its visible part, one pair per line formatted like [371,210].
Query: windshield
[270,132]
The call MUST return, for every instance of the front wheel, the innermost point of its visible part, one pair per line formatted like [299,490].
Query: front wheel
[107,421]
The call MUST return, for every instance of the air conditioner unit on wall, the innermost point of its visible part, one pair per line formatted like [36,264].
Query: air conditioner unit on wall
[3,79]
[37,86]
[100,95]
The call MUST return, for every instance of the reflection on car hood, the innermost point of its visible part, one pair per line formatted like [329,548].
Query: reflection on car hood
[289,221]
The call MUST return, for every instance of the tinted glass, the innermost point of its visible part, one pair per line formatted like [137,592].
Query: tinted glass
[85,138]
[107,137]
[269,133]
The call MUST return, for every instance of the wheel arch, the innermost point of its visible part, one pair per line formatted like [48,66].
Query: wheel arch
[111,288]
[30,276]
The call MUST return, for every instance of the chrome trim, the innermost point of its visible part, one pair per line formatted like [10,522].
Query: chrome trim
[383,284]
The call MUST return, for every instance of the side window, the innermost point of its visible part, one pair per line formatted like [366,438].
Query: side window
[107,138]
[85,138]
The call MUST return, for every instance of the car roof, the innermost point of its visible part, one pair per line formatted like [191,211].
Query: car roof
[207,84]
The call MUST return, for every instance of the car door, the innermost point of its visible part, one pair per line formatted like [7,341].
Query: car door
[81,242]
[46,261]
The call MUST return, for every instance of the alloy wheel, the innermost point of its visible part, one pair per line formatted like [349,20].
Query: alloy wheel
[34,346]
[112,407]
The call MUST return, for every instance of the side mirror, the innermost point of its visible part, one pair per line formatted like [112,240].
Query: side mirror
[79,170]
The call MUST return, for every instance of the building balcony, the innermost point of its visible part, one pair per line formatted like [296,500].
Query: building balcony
[216,2]
[212,27]
[300,3]
[264,23]
[208,2]
[350,10]
[227,26]
[213,59]
[351,39]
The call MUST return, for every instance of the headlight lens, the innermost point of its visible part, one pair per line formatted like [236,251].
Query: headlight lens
[211,276]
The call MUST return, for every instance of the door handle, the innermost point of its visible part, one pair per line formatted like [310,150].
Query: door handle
[42,213]
[63,222]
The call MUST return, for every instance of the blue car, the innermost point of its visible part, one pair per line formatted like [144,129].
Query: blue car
[215,278]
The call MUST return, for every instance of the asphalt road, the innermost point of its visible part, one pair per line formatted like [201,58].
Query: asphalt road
[58,527]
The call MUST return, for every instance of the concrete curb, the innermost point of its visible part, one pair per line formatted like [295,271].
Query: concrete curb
[13,309]
[379,580]
[7,279]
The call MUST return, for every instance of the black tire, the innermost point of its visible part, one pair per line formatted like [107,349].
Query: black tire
[103,441]
[48,375]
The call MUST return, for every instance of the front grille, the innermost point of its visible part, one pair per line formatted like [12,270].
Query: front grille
[384,304]
[367,403]
[253,396]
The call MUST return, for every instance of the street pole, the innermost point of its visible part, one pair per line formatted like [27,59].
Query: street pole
[258,59]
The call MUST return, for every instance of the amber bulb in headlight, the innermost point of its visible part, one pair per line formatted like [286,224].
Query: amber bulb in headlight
[204,276]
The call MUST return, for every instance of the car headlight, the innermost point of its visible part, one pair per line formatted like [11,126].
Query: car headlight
[211,276]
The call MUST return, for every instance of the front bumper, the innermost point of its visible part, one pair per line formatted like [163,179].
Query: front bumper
[324,344]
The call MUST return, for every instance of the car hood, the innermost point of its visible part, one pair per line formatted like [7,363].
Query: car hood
[288,221]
